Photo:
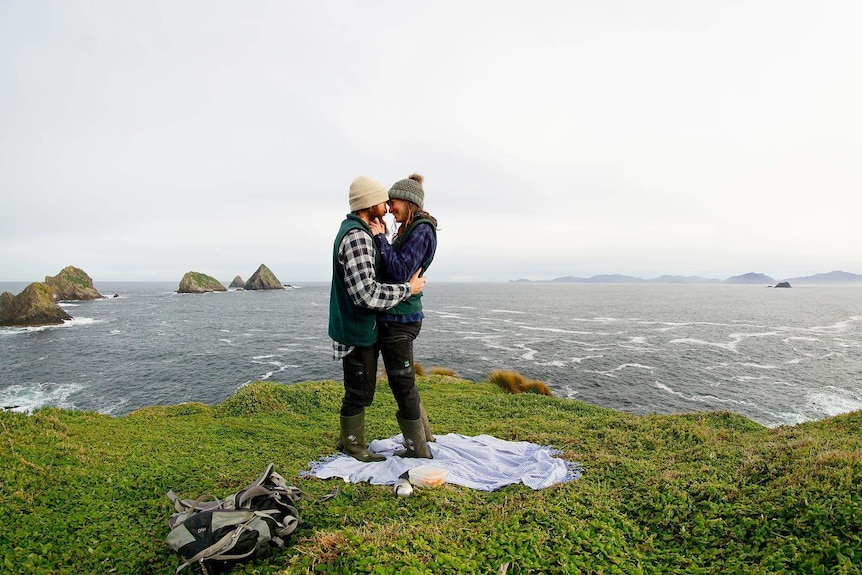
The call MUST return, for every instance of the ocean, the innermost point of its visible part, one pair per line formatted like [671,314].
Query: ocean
[776,356]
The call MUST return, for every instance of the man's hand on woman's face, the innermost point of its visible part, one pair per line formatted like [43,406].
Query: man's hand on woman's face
[377,226]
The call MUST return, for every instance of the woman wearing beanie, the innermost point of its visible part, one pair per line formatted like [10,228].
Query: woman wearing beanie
[412,248]
[356,297]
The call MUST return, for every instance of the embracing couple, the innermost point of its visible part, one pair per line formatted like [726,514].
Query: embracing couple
[375,307]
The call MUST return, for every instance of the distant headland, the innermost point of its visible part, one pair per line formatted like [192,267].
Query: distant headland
[751,278]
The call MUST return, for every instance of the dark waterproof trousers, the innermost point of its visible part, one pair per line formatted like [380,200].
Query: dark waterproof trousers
[395,341]
[360,379]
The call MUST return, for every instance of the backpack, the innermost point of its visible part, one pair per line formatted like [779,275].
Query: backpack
[218,534]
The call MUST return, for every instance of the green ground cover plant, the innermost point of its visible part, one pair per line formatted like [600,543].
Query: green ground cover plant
[700,493]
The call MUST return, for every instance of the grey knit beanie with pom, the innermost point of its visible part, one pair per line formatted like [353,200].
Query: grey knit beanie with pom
[409,189]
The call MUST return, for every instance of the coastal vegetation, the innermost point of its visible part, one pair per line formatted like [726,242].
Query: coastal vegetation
[514,382]
[83,492]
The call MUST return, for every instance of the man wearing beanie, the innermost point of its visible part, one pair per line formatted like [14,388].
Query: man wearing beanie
[355,299]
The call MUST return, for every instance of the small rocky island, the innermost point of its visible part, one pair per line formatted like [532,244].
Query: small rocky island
[263,279]
[783,285]
[72,284]
[34,306]
[37,304]
[196,282]
[237,283]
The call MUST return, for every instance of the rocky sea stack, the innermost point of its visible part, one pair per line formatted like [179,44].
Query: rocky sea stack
[32,307]
[195,282]
[237,283]
[72,284]
[263,278]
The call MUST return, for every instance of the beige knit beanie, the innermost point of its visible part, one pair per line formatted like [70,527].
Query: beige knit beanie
[409,189]
[366,192]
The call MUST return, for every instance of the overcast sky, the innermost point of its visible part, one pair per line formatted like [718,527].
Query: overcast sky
[141,140]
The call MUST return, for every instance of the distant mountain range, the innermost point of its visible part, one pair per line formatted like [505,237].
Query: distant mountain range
[751,278]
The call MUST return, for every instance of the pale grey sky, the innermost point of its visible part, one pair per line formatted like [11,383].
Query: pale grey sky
[141,140]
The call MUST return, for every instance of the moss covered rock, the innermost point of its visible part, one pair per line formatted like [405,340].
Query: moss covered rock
[263,278]
[72,284]
[194,282]
[32,307]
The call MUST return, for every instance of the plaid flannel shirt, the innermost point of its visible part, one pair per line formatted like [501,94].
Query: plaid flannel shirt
[356,255]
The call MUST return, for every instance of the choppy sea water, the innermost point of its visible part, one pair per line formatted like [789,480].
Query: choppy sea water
[777,356]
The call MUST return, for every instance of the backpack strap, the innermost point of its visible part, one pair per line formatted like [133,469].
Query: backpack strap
[252,492]
[188,506]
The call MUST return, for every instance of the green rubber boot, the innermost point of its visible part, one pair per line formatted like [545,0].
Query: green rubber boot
[426,425]
[353,438]
[414,439]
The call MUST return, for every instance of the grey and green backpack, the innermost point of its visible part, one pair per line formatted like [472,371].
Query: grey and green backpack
[216,534]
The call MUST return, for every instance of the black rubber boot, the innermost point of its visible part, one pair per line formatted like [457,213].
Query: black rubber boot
[352,441]
[414,439]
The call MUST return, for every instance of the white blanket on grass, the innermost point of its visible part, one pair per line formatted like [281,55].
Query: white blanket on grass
[481,462]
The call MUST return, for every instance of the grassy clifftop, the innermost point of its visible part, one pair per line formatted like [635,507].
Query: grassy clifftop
[703,493]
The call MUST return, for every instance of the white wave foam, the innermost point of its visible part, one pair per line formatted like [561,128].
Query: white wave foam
[226,341]
[507,311]
[580,359]
[110,408]
[26,398]
[663,387]
[74,322]
[263,356]
[735,338]
[831,401]
[67,304]
[635,365]
[759,366]
[529,353]
[553,364]
[837,327]
[555,330]
[708,398]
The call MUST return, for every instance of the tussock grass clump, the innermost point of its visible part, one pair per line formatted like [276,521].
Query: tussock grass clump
[442,371]
[514,382]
